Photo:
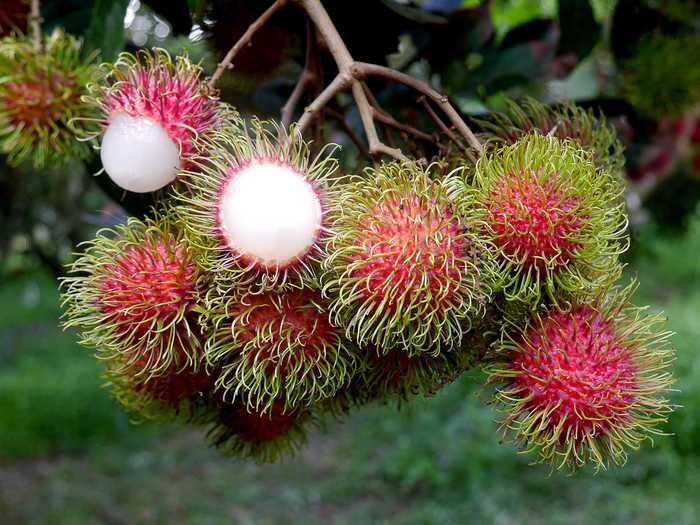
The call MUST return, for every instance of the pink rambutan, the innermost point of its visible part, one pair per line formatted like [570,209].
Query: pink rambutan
[153,112]
[243,432]
[277,346]
[133,295]
[585,383]
[557,223]
[403,269]
[256,206]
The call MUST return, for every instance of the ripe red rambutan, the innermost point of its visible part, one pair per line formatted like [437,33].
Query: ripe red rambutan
[557,223]
[153,112]
[39,96]
[256,206]
[584,384]
[133,295]
[247,433]
[403,269]
[278,346]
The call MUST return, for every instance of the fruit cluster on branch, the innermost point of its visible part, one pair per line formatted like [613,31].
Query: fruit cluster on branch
[267,288]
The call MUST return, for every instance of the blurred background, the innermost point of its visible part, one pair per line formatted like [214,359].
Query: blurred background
[70,455]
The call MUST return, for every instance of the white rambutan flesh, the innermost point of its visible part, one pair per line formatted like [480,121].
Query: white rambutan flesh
[138,155]
[270,213]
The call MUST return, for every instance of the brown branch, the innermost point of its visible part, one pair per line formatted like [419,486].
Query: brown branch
[227,62]
[35,21]
[340,118]
[307,78]
[443,127]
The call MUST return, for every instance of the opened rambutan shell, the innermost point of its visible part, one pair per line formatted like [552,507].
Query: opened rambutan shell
[256,206]
[403,270]
[585,384]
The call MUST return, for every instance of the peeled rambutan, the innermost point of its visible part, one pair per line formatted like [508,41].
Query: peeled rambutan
[153,112]
[133,295]
[587,129]
[277,346]
[256,205]
[403,269]
[242,432]
[40,94]
[586,383]
[558,223]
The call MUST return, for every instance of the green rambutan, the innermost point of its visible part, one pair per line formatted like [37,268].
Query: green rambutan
[403,269]
[246,433]
[153,110]
[40,93]
[586,383]
[587,129]
[662,78]
[133,295]
[557,223]
[255,205]
[277,347]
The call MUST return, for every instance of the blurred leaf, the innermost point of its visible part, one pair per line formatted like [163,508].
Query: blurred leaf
[632,20]
[106,30]
[579,30]
[413,13]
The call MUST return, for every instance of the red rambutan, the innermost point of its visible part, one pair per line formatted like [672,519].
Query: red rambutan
[153,112]
[133,295]
[557,223]
[256,206]
[40,94]
[403,270]
[278,346]
[586,383]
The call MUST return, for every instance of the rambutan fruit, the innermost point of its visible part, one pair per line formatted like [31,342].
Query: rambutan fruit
[586,383]
[133,295]
[557,223]
[256,205]
[403,268]
[276,346]
[247,433]
[153,110]
[40,94]
[587,129]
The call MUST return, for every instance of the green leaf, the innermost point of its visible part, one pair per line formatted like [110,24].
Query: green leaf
[106,30]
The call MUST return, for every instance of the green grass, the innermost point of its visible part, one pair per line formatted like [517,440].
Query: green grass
[70,456]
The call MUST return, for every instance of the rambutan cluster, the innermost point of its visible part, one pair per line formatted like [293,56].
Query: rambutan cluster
[266,290]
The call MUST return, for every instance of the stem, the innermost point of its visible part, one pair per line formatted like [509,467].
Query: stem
[447,131]
[35,21]
[227,62]
[307,78]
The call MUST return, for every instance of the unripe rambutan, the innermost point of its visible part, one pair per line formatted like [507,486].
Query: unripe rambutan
[246,433]
[256,205]
[589,130]
[585,384]
[558,224]
[153,112]
[277,346]
[403,269]
[133,296]
[40,94]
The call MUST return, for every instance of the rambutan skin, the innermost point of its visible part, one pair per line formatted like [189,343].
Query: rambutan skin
[587,129]
[151,85]
[241,432]
[585,384]
[556,221]
[276,346]
[40,97]
[403,269]
[134,295]
[239,147]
